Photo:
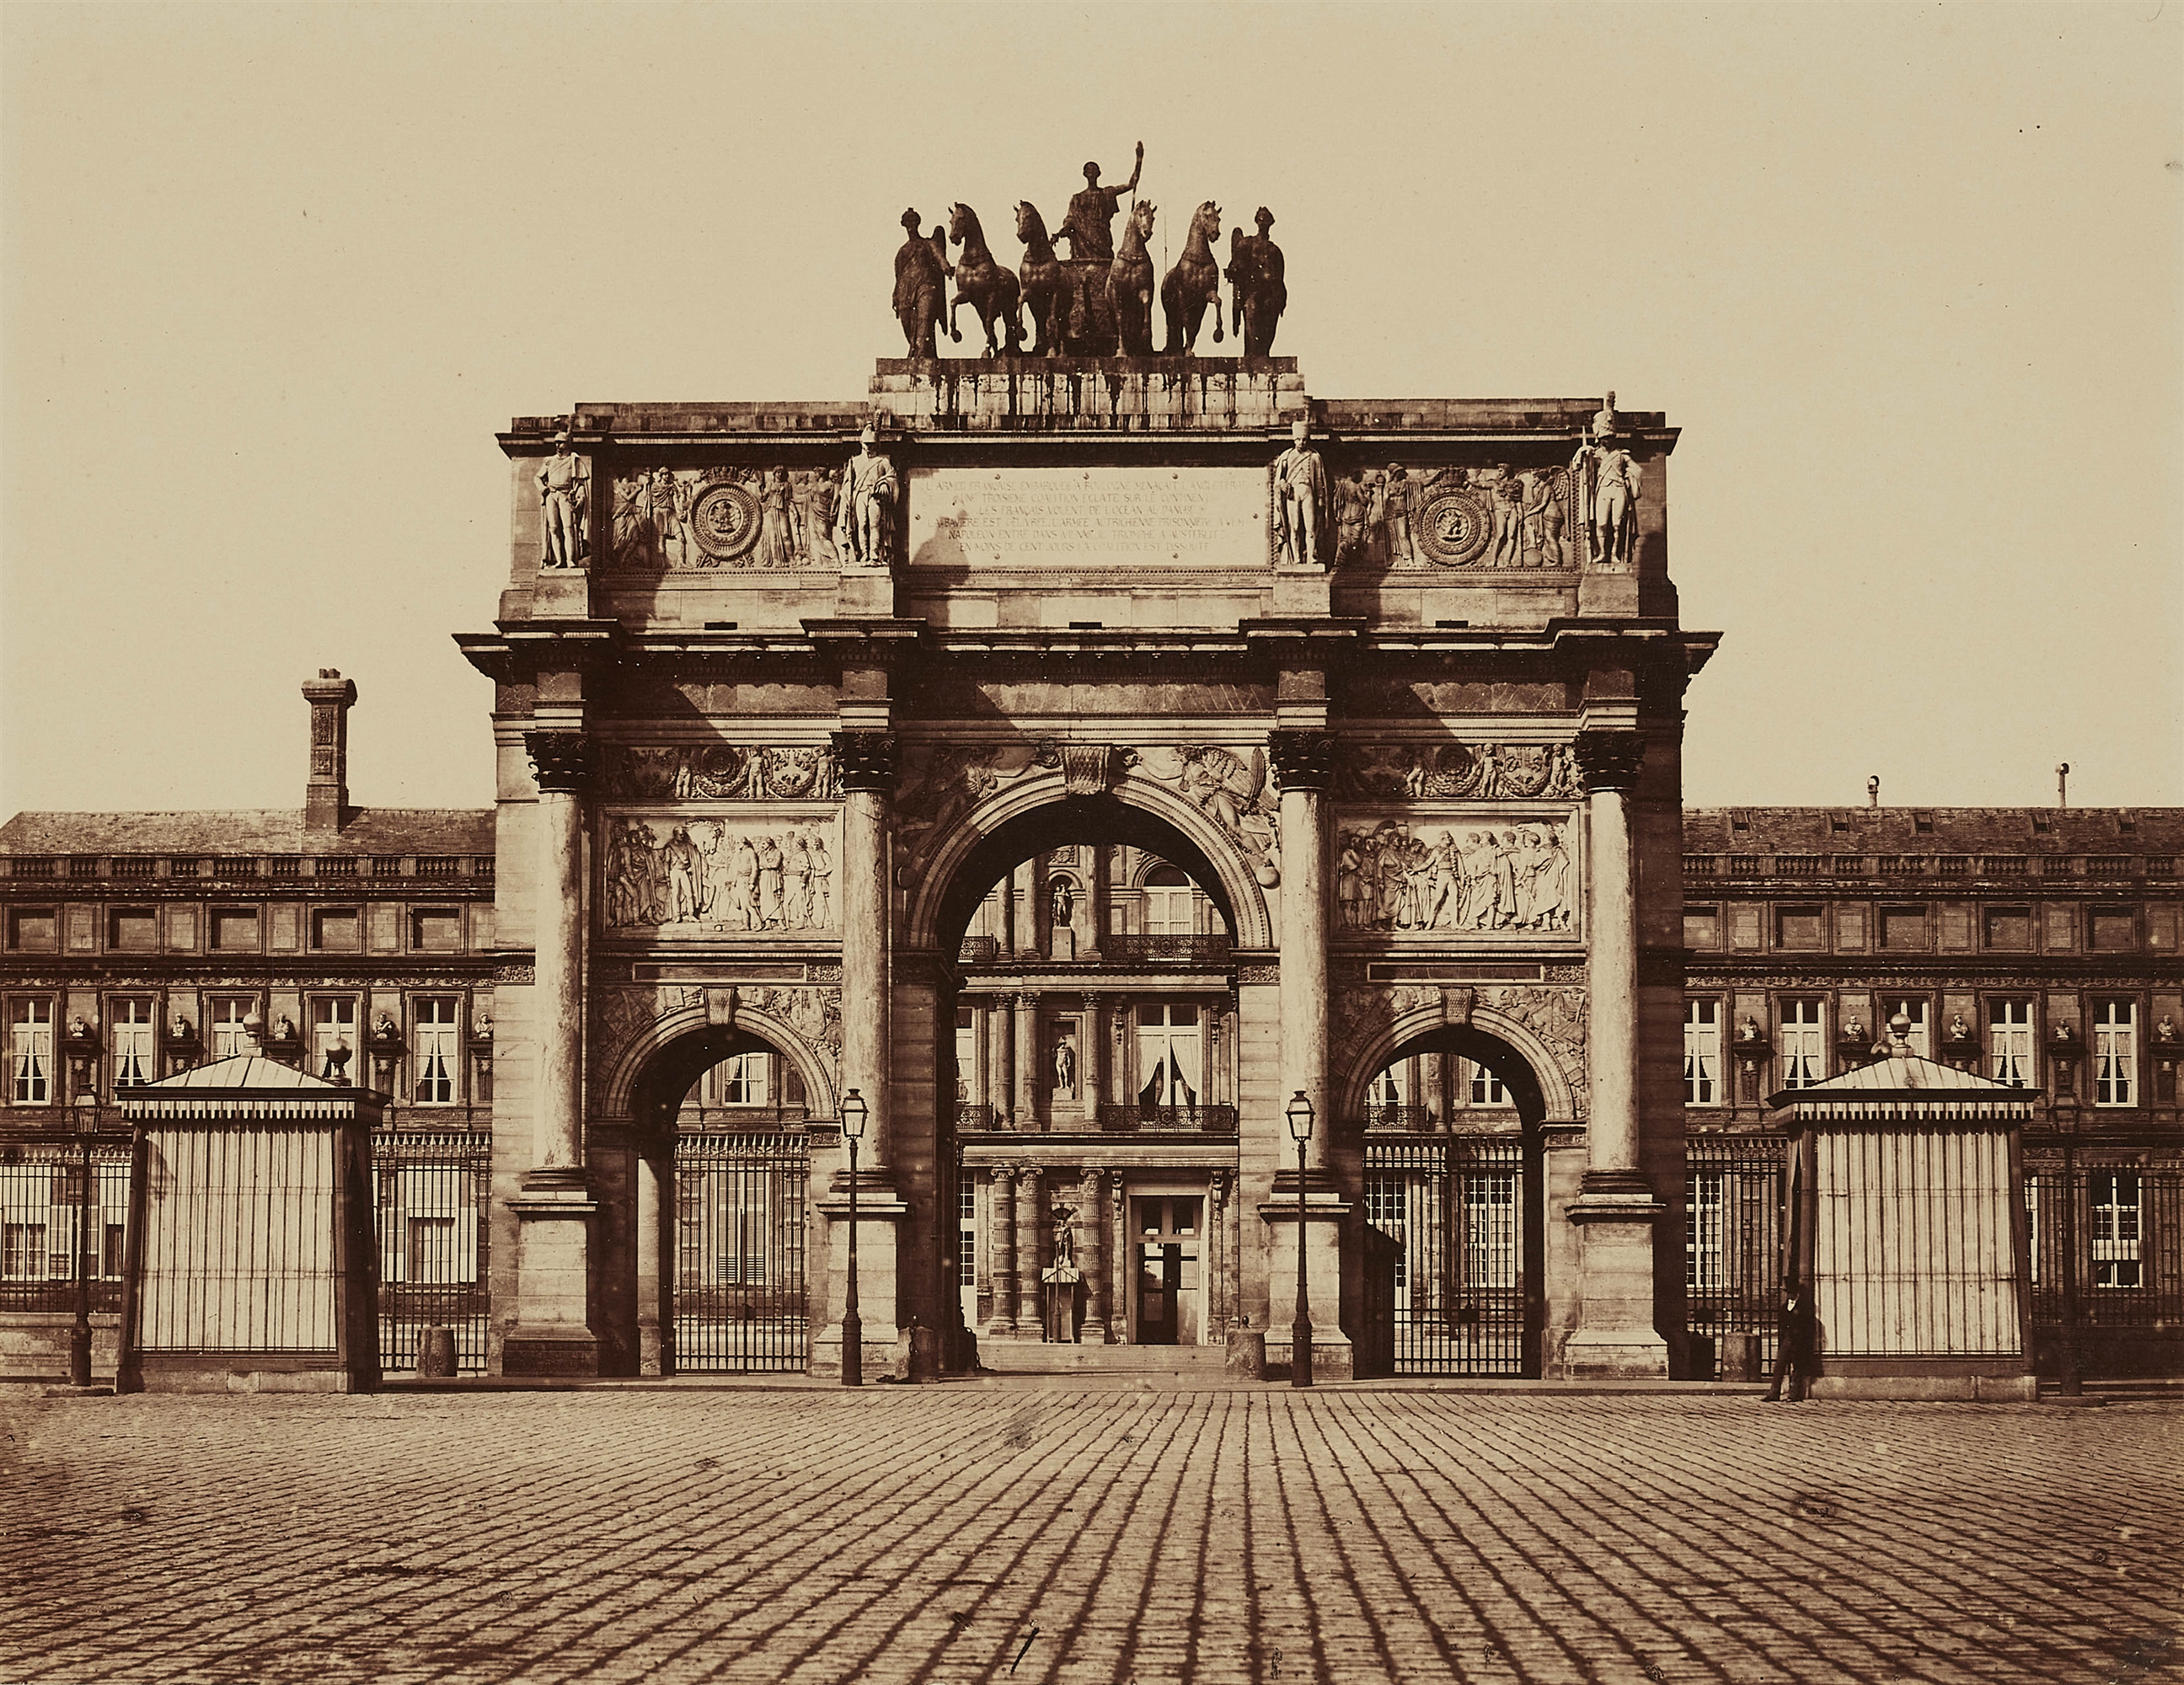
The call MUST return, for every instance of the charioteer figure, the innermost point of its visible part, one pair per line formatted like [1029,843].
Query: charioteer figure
[1089,229]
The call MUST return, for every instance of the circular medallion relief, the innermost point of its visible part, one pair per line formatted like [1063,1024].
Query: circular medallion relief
[724,520]
[1456,526]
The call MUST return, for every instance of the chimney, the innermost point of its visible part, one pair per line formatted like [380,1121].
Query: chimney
[325,797]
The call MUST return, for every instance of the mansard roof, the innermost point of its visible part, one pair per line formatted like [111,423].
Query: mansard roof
[251,830]
[1934,831]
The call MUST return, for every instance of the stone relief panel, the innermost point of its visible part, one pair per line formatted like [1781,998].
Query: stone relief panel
[1466,772]
[1229,786]
[1509,875]
[732,517]
[1461,519]
[695,874]
[718,772]
[938,783]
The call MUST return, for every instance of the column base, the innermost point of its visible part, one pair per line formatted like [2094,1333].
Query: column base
[549,1350]
[552,1335]
[1615,1337]
[1332,1356]
[879,1213]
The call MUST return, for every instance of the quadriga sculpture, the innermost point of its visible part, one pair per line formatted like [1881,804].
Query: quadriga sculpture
[1194,283]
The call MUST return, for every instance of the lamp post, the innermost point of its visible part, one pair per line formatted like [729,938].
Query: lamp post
[854,1111]
[1299,1113]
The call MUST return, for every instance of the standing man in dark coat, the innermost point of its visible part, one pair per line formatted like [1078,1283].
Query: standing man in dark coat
[1795,1349]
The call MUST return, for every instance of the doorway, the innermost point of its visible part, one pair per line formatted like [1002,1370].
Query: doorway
[1168,1273]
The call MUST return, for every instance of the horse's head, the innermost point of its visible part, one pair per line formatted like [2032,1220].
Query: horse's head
[1207,220]
[963,223]
[1031,227]
[1141,219]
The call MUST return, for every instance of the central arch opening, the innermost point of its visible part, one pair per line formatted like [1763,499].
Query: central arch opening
[1090,1047]
[1453,1239]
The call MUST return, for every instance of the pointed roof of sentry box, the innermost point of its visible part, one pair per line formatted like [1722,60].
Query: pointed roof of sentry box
[1905,1087]
[248,1088]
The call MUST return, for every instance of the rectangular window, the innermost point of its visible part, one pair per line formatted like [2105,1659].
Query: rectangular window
[1169,1068]
[30,1052]
[33,929]
[336,930]
[23,1252]
[1920,1041]
[1904,927]
[333,1037]
[1804,1048]
[1388,1087]
[1799,927]
[966,1226]
[2113,930]
[235,930]
[132,930]
[2010,1040]
[1702,926]
[741,1078]
[136,1057]
[436,930]
[2009,928]
[1489,1228]
[1486,1089]
[2116,1196]
[432,1045]
[1385,1203]
[2115,1054]
[1702,1053]
[1702,1244]
[224,1016]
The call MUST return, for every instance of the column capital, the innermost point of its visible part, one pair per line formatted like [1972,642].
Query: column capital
[866,759]
[1001,1174]
[1303,760]
[560,759]
[1610,759]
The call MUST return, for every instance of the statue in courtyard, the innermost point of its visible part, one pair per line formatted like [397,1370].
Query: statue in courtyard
[1065,1070]
[1062,906]
[1304,500]
[561,489]
[921,277]
[1258,288]
[864,512]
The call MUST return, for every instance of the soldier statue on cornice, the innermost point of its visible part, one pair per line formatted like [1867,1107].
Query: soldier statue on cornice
[864,510]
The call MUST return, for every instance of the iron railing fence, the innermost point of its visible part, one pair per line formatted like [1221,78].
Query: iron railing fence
[740,1233]
[435,1231]
[1405,1119]
[1129,1117]
[2125,1225]
[64,1219]
[1734,1189]
[1447,1256]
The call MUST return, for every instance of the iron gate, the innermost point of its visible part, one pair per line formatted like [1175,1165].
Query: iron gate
[435,1234]
[1447,1242]
[739,1243]
[1733,1209]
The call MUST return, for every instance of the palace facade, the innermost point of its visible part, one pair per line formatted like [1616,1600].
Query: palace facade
[1183,861]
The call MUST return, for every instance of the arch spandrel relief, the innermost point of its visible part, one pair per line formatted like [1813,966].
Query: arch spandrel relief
[1545,1023]
[631,1026]
[695,871]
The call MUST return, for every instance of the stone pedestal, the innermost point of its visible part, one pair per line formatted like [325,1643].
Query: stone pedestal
[1615,1337]
[1332,1357]
[552,1335]
[879,1214]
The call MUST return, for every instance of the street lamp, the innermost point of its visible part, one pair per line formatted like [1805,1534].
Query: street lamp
[1299,1113]
[854,1111]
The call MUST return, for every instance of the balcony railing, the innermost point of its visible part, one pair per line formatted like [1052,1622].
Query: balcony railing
[1142,950]
[973,1117]
[980,950]
[1408,1120]
[1116,1118]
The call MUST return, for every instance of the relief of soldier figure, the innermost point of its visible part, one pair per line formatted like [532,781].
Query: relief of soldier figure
[1097,301]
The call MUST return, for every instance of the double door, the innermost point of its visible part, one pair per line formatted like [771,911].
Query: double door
[1169,1274]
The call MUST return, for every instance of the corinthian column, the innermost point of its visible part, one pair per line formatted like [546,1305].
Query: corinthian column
[1001,1249]
[1615,1332]
[551,1334]
[868,764]
[1304,761]
[1031,1222]
[557,1143]
[1099,1304]
[1027,1061]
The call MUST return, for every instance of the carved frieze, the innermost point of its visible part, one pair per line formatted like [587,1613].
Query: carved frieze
[730,516]
[693,875]
[1231,788]
[940,783]
[718,772]
[1462,771]
[1476,521]
[1506,875]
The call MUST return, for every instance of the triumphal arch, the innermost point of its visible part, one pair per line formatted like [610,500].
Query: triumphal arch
[1088,760]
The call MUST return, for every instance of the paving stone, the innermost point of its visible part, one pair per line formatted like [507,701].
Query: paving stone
[1071,1534]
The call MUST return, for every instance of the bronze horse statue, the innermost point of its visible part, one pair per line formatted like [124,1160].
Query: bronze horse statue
[1130,284]
[1046,293]
[1194,283]
[983,283]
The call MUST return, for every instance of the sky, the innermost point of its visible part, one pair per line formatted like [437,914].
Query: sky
[1907,277]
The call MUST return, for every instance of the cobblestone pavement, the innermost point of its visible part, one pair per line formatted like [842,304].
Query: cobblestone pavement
[1038,1533]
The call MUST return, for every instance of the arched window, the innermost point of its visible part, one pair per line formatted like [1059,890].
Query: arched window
[1169,899]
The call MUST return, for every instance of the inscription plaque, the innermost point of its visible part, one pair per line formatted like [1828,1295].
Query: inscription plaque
[1090,518]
